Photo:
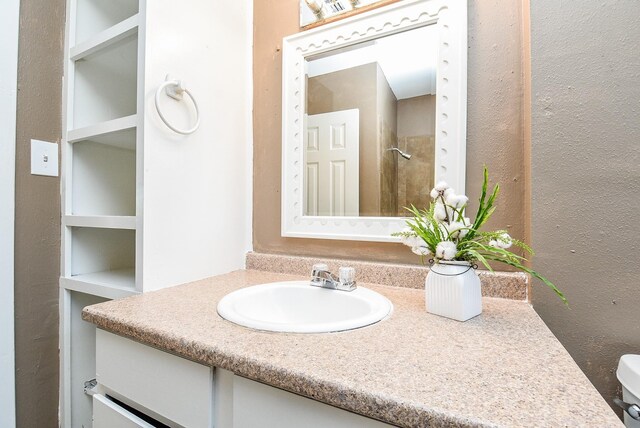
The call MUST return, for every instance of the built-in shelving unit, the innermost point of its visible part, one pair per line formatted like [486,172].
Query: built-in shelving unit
[144,208]
[100,192]
[100,156]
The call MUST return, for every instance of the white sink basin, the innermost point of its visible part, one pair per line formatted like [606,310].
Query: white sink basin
[297,307]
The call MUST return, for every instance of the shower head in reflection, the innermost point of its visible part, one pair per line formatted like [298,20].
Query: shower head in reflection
[407,156]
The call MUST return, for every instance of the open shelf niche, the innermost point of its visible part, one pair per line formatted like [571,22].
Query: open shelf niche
[104,175]
[105,84]
[96,16]
[104,257]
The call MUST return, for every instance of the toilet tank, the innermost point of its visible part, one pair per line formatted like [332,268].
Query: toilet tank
[629,376]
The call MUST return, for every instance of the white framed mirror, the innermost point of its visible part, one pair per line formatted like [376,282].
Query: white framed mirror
[374,113]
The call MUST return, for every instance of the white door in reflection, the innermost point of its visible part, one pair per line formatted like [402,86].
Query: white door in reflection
[331,172]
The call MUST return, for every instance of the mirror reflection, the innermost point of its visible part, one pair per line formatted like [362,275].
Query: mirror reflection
[370,126]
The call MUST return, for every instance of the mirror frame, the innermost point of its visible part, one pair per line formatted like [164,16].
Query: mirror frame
[451,108]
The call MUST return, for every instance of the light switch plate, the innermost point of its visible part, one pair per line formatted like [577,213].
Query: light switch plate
[44,158]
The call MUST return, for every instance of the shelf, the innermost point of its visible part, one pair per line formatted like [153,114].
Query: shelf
[101,221]
[103,181]
[105,83]
[113,284]
[106,38]
[95,250]
[99,181]
[93,17]
[119,132]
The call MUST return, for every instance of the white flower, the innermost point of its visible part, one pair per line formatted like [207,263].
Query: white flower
[421,250]
[467,221]
[448,192]
[456,201]
[441,189]
[414,241]
[439,211]
[451,199]
[441,186]
[446,250]
[504,241]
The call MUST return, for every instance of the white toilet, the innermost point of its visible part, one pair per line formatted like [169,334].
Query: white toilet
[629,376]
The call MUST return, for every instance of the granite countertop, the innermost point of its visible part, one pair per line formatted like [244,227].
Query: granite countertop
[413,369]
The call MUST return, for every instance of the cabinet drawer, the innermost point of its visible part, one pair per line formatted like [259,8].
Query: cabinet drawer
[176,389]
[107,414]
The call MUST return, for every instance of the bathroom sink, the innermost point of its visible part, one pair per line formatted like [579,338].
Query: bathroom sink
[297,307]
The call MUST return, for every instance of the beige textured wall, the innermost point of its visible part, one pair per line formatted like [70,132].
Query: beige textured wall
[586,177]
[415,176]
[417,116]
[37,226]
[416,136]
[387,130]
[494,125]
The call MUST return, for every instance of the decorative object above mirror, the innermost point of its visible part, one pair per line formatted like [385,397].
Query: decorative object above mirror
[319,12]
[374,112]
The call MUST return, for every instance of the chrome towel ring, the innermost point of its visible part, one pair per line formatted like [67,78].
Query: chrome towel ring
[175,89]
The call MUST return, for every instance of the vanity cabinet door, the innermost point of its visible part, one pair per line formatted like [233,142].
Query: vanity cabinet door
[164,386]
[107,414]
[256,405]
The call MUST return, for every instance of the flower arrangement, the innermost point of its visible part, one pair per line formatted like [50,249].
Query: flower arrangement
[444,233]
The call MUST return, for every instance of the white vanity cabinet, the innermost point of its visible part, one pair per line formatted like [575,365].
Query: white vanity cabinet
[170,389]
[258,405]
[143,207]
[108,414]
[182,393]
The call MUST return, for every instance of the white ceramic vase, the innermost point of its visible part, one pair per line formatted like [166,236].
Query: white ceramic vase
[452,290]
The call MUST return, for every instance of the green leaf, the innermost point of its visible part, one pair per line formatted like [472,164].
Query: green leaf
[476,255]
[536,275]
[483,194]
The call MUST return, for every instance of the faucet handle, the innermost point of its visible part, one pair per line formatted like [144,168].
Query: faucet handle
[347,275]
[319,267]
[319,272]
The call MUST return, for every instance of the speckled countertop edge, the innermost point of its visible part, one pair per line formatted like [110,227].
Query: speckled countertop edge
[173,334]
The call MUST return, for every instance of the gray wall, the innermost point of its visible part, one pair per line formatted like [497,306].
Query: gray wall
[586,177]
[37,224]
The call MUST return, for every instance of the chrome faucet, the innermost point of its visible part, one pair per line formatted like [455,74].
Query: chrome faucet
[321,277]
